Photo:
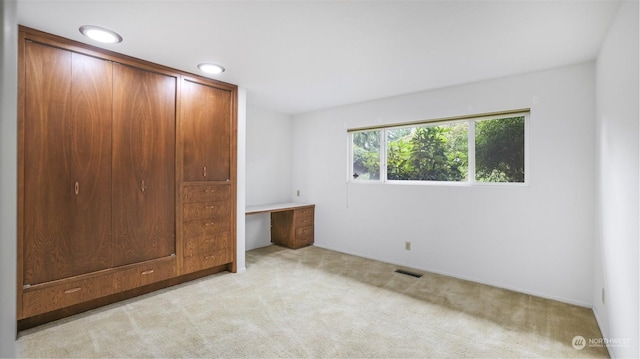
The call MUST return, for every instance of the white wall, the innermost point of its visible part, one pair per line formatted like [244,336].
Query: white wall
[616,265]
[241,180]
[8,178]
[536,239]
[268,169]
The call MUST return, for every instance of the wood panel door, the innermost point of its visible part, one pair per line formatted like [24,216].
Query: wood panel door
[67,164]
[206,132]
[144,165]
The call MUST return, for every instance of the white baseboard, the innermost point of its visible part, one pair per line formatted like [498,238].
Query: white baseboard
[602,330]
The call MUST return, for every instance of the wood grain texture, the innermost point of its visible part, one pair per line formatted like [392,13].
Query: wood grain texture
[304,235]
[59,294]
[303,227]
[206,130]
[204,210]
[293,228]
[281,228]
[90,148]
[40,301]
[207,244]
[67,163]
[207,193]
[208,226]
[79,241]
[209,234]
[33,321]
[144,165]
[303,216]
[145,273]
[208,260]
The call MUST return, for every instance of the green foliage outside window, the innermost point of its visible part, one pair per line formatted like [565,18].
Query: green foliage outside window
[500,150]
[440,152]
[431,153]
[366,155]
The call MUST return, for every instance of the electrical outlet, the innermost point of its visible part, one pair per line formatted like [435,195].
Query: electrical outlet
[603,298]
[407,246]
[298,193]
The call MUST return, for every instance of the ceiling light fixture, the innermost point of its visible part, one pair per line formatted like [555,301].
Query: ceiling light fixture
[100,34]
[210,68]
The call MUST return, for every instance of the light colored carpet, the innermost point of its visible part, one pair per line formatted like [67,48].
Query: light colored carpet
[316,303]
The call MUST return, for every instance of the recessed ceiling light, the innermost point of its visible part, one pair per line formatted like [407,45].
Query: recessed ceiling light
[209,68]
[100,34]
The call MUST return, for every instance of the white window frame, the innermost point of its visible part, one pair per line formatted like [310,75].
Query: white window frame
[383,159]
[471,120]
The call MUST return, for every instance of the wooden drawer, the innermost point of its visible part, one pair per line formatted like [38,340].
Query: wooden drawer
[145,273]
[203,210]
[303,236]
[45,298]
[209,260]
[194,194]
[207,227]
[303,217]
[303,233]
[206,244]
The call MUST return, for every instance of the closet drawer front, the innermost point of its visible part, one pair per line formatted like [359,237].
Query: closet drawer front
[206,244]
[303,217]
[145,273]
[209,260]
[193,211]
[51,297]
[194,194]
[207,227]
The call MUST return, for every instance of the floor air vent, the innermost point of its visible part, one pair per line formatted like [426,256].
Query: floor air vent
[413,274]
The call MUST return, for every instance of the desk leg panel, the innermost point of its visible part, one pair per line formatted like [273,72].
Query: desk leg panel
[282,228]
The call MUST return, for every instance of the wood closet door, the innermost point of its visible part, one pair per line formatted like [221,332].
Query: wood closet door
[206,132]
[67,164]
[144,165]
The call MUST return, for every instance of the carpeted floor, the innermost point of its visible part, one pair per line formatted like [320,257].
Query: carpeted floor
[316,303]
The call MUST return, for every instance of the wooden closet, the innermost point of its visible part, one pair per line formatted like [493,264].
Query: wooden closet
[127,177]
[207,189]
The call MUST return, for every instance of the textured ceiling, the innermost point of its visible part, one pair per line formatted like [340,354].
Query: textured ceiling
[301,56]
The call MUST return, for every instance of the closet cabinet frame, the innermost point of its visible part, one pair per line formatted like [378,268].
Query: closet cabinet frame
[182,183]
[121,290]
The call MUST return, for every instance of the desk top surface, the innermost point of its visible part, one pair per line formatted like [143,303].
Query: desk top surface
[275,207]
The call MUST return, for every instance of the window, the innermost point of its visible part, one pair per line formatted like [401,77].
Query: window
[366,155]
[428,153]
[499,147]
[479,149]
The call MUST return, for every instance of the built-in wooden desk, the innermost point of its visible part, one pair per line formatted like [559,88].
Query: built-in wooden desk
[291,223]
